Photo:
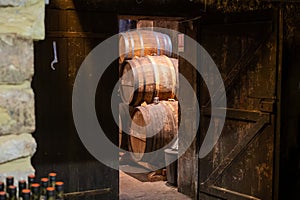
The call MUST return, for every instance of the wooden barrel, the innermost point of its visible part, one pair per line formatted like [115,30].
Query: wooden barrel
[147,77]
[153,127]
[125,113]
[142,43]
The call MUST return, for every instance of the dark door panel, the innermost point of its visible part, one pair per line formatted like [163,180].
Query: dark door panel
[76,33]
[241,164]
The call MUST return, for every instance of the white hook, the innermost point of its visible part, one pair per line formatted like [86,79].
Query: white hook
[55,56]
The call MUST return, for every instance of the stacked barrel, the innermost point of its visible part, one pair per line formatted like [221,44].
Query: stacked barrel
[148,84]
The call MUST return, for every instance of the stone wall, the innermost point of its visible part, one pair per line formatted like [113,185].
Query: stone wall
[21,22]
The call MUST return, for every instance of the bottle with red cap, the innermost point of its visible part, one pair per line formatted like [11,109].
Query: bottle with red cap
[35,191]
[30,180]
[2,186]
[21,186]
[59,188]
[25,193]
[2,195]
[50,195]
[9,182]
[44,186]
[12,192]
[52,179]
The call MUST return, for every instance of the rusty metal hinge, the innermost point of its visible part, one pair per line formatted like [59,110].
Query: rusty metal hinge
[267,106]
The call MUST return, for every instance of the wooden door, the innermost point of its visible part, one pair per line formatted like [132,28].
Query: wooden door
[76,32]
[290,120]
[242,163]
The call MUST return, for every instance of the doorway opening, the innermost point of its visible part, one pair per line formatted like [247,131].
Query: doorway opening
[148,72]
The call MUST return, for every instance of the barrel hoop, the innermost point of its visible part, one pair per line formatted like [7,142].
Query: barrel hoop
[141,42]
[144,77]
[157,42]
[174,77]
[126,44]
[156,75]
[132,44]
[170,45]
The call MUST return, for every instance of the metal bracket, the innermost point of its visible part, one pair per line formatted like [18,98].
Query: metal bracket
[267,106]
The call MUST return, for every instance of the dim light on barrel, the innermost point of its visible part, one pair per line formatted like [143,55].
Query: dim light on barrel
[148,77]
[142,43]
[153,127]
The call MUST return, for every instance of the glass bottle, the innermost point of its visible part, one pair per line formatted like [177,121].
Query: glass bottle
[50,193]
[35,191]
[52,179]
[9,182]
[25,193]
[31,180]
[59,188]
[22,186]
[44,186]
[2,186]
[12,192]
[2,195]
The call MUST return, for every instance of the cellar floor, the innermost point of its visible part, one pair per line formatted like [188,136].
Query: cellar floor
[133,188]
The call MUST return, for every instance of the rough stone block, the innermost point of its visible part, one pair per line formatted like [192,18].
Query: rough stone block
[16,60]
[16,109]
[16,146]
[26,20]
[19,168]
[12,2]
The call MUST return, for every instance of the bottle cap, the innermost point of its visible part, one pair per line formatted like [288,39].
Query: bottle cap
[52,174]
[35,185]
[25,191]
[59,183]
[44,179]
[50,189]
[12,187]
[31,176]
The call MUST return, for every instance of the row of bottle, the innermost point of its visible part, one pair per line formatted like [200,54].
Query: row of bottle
[47,189]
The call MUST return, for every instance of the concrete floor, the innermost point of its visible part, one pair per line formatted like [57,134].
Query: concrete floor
[132,188]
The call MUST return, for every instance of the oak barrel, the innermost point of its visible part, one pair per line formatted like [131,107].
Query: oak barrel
[125,113]
[147,77]
[142,43]
[153,127]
